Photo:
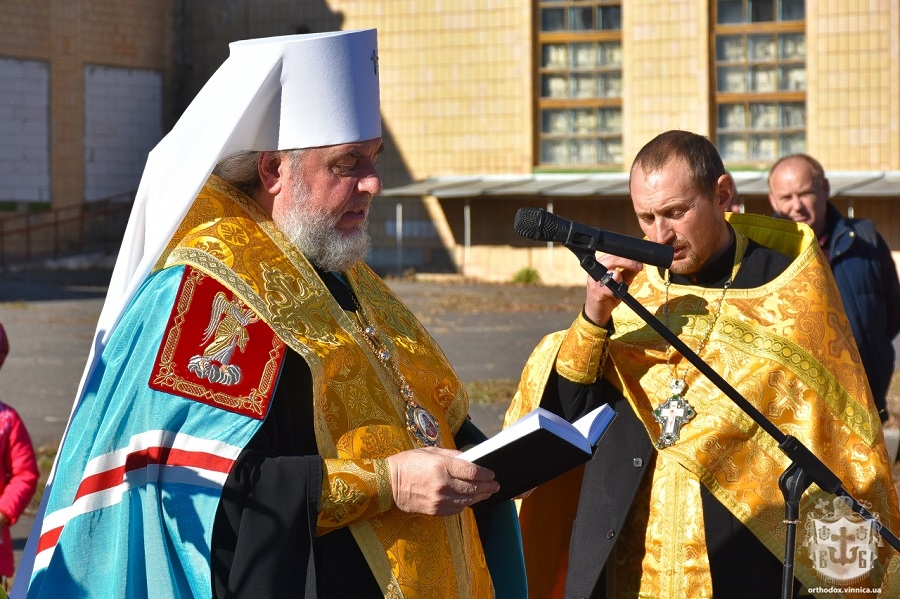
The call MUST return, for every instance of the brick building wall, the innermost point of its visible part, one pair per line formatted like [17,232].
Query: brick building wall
[459,88]
[69,34]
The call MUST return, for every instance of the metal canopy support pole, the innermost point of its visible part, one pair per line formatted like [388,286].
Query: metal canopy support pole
[399,236]
[467,235]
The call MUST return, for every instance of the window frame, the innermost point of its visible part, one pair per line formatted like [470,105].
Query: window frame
[779,97]
[597,102]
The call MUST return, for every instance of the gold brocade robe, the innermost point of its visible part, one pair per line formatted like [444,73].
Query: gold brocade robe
[359,414]
[787,348]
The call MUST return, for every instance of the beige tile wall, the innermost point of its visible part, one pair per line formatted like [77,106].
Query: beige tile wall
[457,92]
[455,82]
[666,72]
[853,94]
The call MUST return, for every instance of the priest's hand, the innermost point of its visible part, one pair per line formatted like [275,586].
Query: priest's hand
[600,301]
[432,481]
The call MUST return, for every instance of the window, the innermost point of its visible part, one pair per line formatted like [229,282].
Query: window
[760,79]
[580,83]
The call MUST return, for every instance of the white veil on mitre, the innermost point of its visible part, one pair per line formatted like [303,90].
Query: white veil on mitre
[277,93]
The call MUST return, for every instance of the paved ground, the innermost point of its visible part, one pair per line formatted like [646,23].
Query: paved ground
[487,332]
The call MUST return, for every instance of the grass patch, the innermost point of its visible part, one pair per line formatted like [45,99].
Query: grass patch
[527,276]
[45,456]
[491,391]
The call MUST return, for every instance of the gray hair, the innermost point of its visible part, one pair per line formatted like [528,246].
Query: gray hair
[241,170]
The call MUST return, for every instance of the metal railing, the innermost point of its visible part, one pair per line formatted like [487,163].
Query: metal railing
[27,238]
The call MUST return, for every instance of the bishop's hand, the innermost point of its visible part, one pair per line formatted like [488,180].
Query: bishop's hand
[432,481]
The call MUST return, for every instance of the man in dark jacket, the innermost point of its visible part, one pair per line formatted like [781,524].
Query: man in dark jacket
[859,257]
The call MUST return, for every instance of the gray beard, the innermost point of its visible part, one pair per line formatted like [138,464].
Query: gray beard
[316,236]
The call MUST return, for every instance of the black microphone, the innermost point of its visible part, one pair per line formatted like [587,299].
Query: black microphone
[540,225]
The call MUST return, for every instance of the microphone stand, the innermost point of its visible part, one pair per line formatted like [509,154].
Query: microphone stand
[805,468]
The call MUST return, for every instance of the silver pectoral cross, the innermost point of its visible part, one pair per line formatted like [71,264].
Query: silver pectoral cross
[672,414]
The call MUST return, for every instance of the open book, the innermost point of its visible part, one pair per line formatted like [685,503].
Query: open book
[536,448]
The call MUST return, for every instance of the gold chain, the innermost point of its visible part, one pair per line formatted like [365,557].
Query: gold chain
[738,260]
[706,337]
[675,412]
[419,421]
[378,347]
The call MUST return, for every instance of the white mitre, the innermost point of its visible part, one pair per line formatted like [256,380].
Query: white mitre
[277,93]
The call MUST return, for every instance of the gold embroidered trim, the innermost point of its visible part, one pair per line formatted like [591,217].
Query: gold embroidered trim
[166,375]
[583,352]
[809,369]
[383,482]
[350,491]
[373,551]
[456,532]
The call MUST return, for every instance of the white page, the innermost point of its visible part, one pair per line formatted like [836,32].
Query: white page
[538,418]
[587,424]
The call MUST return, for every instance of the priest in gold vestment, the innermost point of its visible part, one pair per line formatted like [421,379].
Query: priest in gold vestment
[262,416]
[681,498]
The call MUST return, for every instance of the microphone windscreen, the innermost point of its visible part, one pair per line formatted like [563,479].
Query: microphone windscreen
[540,225]
[528,222]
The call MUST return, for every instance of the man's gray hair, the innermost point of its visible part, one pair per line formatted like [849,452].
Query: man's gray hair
[241,170]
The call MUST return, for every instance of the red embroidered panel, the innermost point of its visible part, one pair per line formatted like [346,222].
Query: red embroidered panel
[216,350]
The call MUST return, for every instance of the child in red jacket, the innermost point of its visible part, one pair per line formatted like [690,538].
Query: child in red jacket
[18,474]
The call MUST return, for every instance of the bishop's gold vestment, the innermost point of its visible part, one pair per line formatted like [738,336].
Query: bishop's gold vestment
[358,411]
